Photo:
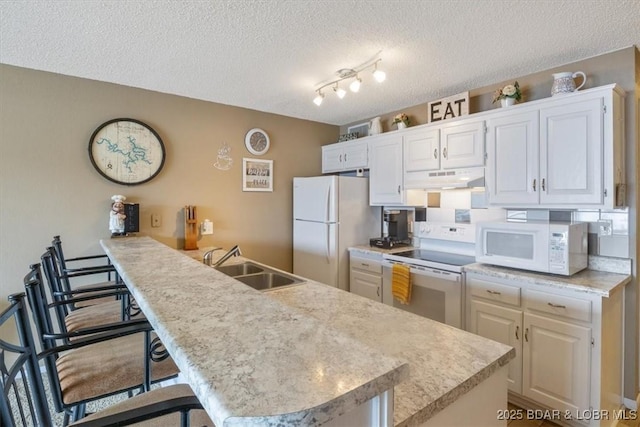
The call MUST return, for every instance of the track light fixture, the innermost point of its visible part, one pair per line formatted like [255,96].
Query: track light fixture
[350,73]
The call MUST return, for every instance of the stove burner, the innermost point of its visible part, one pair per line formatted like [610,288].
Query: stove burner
[439,257]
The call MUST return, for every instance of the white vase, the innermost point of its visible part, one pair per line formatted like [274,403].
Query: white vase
[505,102]
[401,125]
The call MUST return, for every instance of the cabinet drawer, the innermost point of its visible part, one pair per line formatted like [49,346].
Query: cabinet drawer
[495,291]
[559,305]
[366,265]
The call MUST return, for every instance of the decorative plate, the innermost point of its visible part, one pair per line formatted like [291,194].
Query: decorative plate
[126,151]
[257,141]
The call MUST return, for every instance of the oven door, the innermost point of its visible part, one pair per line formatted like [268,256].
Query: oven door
[436,294]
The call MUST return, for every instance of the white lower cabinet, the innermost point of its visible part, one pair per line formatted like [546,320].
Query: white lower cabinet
[504,325]
[365,278]
[568,345]
[556,362]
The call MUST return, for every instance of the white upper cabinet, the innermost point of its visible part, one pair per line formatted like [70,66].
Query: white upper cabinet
[385,174]
[571,153]
[512,158]
[344,156]
[422,150]
[462,144]
[565,151]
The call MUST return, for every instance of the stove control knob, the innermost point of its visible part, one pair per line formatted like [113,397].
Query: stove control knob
[425,229]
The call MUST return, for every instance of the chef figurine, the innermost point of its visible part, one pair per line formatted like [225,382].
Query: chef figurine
[117,216]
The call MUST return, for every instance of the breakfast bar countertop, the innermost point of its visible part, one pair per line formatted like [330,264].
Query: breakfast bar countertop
[249,359]
[444,362]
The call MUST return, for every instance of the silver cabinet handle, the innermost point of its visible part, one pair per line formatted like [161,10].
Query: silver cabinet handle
[534,184]
[526,335]
[543,185]
[493,292]
[345,157]
[435,153]
[340,158]
[444,152]
[398,189]
[517,330]
[365,265]
[556,305]
[378,290]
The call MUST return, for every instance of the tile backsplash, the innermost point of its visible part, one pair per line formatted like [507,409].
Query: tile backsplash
[608,229]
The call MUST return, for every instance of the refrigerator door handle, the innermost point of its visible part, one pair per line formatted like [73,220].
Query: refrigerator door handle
[328,203]
[328,242]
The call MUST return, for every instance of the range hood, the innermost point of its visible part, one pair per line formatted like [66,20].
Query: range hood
[455,178]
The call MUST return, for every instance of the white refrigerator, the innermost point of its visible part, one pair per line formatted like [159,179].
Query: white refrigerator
[330,214]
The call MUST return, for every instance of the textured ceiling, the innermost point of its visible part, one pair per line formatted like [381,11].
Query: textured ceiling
[271,55]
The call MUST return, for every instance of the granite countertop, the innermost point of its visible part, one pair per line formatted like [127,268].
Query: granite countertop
[375,250]
[600,283]
[469,358]
[445,362]
[249,359]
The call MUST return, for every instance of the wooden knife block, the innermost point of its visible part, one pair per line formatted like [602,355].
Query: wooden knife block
[190,228]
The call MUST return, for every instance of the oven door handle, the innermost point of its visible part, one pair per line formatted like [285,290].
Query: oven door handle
[425,271]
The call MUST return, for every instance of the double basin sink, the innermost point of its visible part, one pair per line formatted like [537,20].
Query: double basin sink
[257,276]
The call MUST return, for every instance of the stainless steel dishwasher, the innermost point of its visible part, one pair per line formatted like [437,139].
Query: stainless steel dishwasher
[436,294]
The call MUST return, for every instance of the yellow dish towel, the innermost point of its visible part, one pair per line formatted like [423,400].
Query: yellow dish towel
[401,283]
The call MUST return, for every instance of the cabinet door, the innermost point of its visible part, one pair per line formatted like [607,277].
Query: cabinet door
[385,171]
[462,145]
[571,153]
[354,155]
[505,326]
[557,363]
[512,159]
[331,158]
[366,285]
[422,150]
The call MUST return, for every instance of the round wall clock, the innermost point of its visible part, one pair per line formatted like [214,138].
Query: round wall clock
[257,141]
[126,151]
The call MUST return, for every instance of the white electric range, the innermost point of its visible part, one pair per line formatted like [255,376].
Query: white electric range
[436,269]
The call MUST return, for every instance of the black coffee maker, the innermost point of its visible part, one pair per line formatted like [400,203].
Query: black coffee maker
[395,230]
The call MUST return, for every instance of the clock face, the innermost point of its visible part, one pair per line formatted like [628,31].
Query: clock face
[257,141]
[126,151]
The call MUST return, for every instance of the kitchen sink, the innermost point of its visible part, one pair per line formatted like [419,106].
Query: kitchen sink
[239,269]
[258,277]
[266,281]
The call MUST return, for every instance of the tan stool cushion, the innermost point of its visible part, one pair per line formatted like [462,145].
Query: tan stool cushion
[97,300]
[107,367]
[198,418]
[96,315]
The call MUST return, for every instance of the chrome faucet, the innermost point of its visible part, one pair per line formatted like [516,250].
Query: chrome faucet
[234,251]
[206,258]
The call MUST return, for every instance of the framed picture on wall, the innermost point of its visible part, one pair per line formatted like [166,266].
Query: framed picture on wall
[362,129]
[257,175]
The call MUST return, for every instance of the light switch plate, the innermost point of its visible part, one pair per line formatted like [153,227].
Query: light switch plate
[156,220]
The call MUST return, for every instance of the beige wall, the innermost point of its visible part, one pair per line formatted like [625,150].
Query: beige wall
[48,185]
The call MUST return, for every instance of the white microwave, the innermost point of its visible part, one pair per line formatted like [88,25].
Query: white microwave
[549,247]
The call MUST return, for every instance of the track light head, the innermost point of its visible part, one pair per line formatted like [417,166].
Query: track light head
[339,91]
[318,99]
[355,85]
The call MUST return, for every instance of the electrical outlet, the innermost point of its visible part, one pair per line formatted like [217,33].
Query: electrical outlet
[156,220]
[206,227]
[605,228]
